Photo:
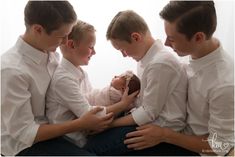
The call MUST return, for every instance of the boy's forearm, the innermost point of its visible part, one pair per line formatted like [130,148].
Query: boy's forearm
[116,108]
[49,131]
[123,121]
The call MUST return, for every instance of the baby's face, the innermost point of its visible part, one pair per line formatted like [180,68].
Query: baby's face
[119,82]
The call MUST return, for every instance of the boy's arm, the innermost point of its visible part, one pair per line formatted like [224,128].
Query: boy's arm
[123,121]
[122,105]
[150,135]
[89,121]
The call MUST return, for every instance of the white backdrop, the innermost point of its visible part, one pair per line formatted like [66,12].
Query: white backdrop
[108,62]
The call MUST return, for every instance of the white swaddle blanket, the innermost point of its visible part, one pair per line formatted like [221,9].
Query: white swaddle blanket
[104,97]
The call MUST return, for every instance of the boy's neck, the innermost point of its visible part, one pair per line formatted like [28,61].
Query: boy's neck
[206,48]
[32,41]
[149,42]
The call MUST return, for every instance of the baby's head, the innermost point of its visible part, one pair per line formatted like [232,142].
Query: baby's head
[127,79]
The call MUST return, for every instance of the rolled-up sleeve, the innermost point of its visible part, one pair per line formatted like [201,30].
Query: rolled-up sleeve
[221,122]
[158,79]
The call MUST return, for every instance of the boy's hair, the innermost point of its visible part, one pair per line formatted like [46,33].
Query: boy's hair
[134,84]
[191,17]
[79,30]
[49,14]
[124,24]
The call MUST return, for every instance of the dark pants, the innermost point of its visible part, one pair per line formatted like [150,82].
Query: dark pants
[162,149]
[54,147]
[111,143]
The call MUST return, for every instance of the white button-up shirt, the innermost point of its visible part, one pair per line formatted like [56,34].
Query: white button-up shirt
[66,97]
[25,76]
[163,94]
[211,99]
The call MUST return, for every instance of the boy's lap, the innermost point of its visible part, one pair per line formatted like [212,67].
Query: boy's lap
[109,142]
[54,147]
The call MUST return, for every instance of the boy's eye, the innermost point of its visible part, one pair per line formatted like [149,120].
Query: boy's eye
[170,40]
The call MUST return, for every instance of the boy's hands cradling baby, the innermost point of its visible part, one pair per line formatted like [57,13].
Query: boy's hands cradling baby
[129,99]
[92,121]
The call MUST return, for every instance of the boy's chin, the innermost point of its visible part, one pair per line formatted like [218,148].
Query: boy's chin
[52,49]
[85,63]
[180,54]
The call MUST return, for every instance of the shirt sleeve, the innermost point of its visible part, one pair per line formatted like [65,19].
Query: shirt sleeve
[221,122]
[68,92]
[160,79]
[17,117]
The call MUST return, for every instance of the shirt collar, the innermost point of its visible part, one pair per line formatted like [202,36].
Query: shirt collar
[34,54]
[76,71]
[197,64]
[156,47]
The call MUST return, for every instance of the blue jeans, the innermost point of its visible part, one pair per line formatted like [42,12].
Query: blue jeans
[109,142]
[54,147]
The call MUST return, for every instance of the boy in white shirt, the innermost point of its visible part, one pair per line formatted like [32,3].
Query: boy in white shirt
[163,96]
[26,71]
[66,98]
[189,26]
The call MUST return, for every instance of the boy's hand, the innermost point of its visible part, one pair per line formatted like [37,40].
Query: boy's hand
[144,137]
[91,121]
[129,99]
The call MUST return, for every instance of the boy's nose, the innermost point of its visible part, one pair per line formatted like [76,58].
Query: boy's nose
[167,43]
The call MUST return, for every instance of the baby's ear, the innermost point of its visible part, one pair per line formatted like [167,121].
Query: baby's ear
[123,89]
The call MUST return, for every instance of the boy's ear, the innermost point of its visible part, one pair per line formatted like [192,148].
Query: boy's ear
[38,29]
[135,36]
[70,43]
[199,37]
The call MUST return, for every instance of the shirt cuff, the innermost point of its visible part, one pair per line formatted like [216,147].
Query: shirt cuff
[140,116]
[29,134]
